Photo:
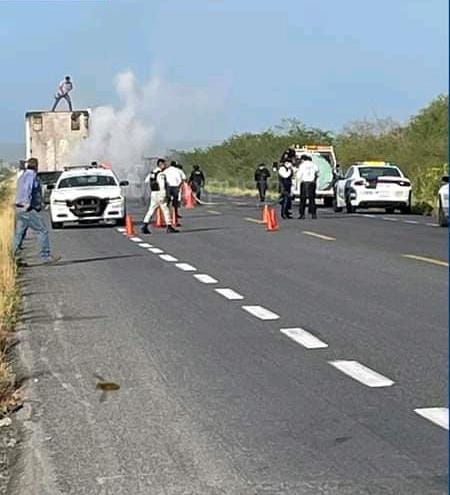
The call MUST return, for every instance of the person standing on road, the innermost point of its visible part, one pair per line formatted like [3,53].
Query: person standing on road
[64,88]
[175,176]
[197,181]
[306,178]
[28,212]
[159,197]
[261,176]
[285,183]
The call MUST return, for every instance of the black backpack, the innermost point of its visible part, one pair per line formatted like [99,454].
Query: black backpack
[154,186]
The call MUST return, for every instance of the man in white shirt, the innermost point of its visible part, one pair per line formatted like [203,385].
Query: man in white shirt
[63,91]
[158,198]
[306,177]
[174,177]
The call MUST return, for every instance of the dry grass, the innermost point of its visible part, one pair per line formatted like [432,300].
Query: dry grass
[9,298]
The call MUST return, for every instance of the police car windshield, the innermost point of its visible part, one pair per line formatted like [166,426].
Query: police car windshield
[367,172]
[87,181]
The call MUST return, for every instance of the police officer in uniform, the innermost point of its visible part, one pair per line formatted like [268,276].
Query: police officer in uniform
[197,181]
[285,182]
[159,197]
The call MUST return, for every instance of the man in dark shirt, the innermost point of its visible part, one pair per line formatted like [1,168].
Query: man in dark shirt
[197,181]
[261,175]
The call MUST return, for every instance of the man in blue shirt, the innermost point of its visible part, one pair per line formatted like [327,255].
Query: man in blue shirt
[28,211]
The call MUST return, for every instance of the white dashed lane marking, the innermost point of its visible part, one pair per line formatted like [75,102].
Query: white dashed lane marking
[426,259]
[261,313]
[214,212]
[319,236]
[414,222]
[229,294]
[155,250]
[362,373]
[205,279]
[304,338]
[432,224]
[135,239]
[437,415]
[120,229]
[145,245]
[186,267]
[390,219]
[168,257]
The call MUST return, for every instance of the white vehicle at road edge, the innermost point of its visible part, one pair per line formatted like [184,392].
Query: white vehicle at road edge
[87,195]
[443,202]
[373,184]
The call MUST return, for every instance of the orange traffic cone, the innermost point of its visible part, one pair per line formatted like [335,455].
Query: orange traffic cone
[273,221]
[129,225]
[160,222]
[188,197]
[266,214]
[175,222]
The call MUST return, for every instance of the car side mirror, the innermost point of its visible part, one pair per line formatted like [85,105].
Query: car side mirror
[445,179]
[50,186]
[124,183]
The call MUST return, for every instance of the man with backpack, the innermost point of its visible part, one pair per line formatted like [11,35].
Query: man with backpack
[158,197]
[261,176]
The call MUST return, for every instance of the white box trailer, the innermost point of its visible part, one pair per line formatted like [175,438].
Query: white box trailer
[53,137]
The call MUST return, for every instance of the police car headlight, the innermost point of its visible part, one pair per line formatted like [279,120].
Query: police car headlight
[116,200]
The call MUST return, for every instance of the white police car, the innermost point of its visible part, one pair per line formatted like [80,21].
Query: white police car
[87,195]
[443,203]
[373,185]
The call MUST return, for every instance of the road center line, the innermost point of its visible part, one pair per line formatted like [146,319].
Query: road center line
[304,338]
[362,373]
[367,215]
[319,236]
[426,259]
[205,279]
[155,250]
[390,219]
[437,415]
[214,212]
[186,267]
[229,294]
[414,222]
[145,245]
[432,224]
[120,229]
[168,257]
[261,313]
[254,220]
[135,239]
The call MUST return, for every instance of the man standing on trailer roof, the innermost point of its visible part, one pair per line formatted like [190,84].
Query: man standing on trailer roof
[64,88]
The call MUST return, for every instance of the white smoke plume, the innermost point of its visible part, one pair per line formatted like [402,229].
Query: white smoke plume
[151,118]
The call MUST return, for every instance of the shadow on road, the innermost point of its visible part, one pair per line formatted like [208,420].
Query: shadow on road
[87,260]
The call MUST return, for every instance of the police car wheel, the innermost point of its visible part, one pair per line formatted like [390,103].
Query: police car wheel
[121,221]
[57,225]
[348,206]
[390,210]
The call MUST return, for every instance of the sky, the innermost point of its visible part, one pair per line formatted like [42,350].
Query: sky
[197,71]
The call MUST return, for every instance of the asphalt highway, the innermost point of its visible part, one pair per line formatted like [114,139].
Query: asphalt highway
[311,360]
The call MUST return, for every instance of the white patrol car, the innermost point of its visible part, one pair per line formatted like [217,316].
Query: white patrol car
[373,185]
[87,194]
[443,203]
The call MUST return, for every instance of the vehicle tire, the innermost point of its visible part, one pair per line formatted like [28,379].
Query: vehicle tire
[442,219]
[348,206]
[336,208]
[390,210]
[57,225]
[406,210]
[328,202]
